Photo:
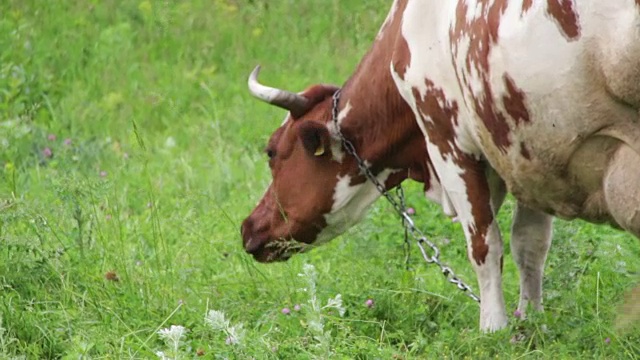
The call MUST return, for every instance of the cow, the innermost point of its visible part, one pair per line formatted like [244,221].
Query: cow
[536,98]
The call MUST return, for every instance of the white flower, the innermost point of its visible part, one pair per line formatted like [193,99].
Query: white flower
[236,334]
[336,303]
[216,320]
[173,336]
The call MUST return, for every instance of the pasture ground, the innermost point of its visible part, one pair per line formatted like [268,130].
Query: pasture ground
[130,151]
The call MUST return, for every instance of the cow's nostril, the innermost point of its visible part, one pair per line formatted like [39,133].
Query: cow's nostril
[250,238]
[252,245]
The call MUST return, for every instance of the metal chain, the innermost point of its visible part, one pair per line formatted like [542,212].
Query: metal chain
[399,205]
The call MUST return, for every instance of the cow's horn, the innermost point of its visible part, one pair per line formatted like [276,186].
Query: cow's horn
[293,102]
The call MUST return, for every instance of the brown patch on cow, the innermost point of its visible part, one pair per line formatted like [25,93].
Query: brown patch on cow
[397,9]
[493,119]
[401,57]
[514,102]
[479,196]
[524,151]
[526,5]
[638,2]
[441,117]
[481,33]
[566,17]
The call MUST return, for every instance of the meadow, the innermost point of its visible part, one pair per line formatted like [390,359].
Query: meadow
[130,152]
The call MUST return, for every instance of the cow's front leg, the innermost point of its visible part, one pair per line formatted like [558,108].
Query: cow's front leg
[472,194]
[530,241]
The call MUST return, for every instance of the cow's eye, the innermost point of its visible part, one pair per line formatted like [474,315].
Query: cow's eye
[270,153]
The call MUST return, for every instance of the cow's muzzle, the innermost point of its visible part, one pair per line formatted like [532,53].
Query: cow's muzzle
[258,242]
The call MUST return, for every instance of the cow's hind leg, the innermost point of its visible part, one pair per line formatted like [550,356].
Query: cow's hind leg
[530,241]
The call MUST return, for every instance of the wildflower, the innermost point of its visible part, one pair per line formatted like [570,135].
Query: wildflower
[107,217]
[216,320]
[517,314]
[125,155]
[47,152]
[67,142]
[103,173]
[411,211]
[607,340]
[296,307]
[336,303]
[286,311]
[51,137]
[236,334]
[369,303]
[173,336]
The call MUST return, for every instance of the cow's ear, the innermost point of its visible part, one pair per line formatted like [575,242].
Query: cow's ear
[315,138]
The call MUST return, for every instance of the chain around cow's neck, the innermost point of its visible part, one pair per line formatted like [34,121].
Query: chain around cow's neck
[398,204]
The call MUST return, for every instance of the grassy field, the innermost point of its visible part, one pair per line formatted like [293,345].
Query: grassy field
[130,152]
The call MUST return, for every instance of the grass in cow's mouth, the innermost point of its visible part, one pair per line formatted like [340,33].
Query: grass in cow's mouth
[129,145]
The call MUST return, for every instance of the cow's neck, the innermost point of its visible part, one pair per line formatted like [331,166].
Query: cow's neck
[379,122]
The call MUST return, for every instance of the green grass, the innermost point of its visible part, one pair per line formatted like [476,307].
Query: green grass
[165,160]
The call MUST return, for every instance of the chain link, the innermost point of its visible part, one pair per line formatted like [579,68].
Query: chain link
[399,205]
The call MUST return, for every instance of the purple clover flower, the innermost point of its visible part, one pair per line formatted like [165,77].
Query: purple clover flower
[47,152]
[517,314]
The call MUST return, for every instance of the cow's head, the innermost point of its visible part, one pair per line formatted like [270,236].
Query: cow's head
[317,191]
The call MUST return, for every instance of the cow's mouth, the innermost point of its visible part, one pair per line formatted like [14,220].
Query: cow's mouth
[278,250]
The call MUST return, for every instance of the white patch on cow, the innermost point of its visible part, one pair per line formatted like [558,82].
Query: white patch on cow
[388,19]
[474,10]
[344,112]
[350,203]
[336,144]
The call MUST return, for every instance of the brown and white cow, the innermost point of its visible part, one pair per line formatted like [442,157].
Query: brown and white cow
[538,98]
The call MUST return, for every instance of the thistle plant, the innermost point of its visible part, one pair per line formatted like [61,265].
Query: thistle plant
[173,338]
[315,316]
[217,321]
